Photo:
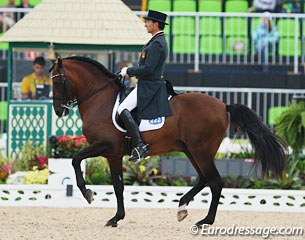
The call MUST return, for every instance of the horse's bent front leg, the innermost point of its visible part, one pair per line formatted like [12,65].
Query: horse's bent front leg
[93,150]
[118,185]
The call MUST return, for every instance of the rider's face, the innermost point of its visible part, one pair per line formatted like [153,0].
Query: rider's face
[151,26]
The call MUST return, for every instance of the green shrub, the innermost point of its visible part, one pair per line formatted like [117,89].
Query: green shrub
[97,171]
[31,155]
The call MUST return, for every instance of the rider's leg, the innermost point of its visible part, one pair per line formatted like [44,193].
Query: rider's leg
[129,103]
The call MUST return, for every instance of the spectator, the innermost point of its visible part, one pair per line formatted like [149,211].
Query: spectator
[36,85]
[24,4]
[265,37]
[7,18]
[288,6]
[263,6]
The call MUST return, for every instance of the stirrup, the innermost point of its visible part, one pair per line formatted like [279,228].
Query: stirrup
[138,153]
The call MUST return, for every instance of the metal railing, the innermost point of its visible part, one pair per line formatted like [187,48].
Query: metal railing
[212,38]
[226,38]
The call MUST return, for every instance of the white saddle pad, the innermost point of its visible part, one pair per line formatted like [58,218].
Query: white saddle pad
[145,125]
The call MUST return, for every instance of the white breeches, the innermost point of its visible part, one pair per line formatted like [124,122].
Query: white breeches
[130,102]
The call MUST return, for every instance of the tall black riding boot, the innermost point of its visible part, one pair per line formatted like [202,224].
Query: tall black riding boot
[132,128]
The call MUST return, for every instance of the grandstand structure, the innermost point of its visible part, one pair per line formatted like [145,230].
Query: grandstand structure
[210,39]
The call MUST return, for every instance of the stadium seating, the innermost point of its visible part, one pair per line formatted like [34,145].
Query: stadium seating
[35,2]
[160,5]
[210,26]
[183,25]
[3,45]
[236,6]
[286,27]
[184,44]
[211,45]
[210,6]
[235,26]
[237,45]
[184,6]
[286,47]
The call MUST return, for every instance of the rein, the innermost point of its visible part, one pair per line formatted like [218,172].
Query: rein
[69,104]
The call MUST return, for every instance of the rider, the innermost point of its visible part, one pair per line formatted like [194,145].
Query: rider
[149,95]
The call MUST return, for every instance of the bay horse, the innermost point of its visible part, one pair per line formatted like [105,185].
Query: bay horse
[197,127]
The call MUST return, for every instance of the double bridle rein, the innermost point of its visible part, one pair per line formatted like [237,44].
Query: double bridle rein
[71,103]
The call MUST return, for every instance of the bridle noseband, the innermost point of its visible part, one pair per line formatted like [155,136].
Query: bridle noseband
[71,103]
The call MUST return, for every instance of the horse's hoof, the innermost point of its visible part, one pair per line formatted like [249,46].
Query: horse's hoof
[181,215]
[111,224]
[204,222]
[89,196]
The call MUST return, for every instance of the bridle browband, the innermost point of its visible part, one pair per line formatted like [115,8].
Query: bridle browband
[71,103]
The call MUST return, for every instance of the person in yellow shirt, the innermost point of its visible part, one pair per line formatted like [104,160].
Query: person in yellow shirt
[36,86]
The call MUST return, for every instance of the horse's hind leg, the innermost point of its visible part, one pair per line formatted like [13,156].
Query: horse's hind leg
[186,198]
[215,183]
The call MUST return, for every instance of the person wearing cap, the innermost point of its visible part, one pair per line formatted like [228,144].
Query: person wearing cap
[265,37]
[36,85]
[150,94]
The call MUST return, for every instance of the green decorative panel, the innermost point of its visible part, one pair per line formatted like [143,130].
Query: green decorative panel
[27,121]
[69,125]
[36,121]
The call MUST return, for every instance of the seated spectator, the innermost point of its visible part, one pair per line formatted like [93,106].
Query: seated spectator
[7,18]
[288,6]
[263,6]
[36,85]
[265,37]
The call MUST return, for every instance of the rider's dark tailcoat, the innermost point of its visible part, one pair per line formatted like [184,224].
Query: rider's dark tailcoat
[152,94]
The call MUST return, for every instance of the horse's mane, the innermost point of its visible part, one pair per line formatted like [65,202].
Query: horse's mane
[95,63]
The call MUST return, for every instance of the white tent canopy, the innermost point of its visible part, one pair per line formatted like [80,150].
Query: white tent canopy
[91,22]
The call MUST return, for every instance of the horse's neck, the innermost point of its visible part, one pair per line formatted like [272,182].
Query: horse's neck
[100,103]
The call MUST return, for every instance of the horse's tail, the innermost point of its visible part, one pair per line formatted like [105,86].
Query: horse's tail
[269,150]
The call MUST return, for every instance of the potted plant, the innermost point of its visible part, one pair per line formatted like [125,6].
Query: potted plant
[63,148]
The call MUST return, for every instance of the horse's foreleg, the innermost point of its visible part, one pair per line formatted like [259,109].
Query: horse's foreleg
[93,150]
[117,181]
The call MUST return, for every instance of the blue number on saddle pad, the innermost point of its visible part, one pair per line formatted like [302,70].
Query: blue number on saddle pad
[157,120]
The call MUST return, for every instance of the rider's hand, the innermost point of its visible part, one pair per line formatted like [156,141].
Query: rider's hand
[123,71]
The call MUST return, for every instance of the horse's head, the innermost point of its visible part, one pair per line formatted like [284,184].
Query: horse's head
[63,90]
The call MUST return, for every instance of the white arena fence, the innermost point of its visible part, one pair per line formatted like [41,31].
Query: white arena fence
[153,197]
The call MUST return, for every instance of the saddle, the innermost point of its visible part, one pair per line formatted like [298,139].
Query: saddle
[125,91]
[144,125]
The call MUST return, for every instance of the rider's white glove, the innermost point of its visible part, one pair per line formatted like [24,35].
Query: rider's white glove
[123,71]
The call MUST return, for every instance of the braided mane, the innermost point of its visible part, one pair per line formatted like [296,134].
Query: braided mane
[95,63]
